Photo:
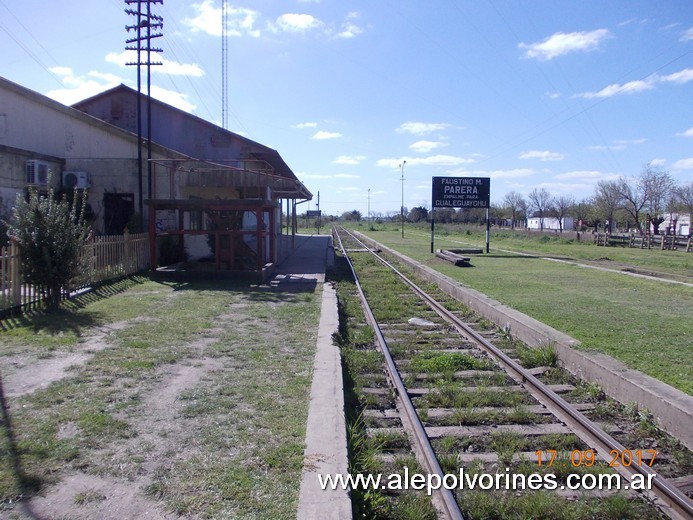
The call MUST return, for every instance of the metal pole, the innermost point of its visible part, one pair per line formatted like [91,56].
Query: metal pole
[401,209]
[488,229]
[369,205]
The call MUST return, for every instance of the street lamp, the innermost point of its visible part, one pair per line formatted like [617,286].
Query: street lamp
[401,209]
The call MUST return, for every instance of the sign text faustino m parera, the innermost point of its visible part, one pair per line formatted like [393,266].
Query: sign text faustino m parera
[461,192]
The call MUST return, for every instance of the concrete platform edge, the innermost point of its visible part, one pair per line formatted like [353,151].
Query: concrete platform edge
[326,445]
[672,408]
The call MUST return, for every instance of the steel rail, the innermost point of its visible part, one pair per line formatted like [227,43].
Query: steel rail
[676,504]
[446,499]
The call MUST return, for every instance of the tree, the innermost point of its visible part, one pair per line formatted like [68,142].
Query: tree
[354,215]
[560,207]
[516,205]
[539,201]
[608,200]
[50,235]
[443,215]
[659,189]
[684,202]
[647,193]
[582,212]
[417,214]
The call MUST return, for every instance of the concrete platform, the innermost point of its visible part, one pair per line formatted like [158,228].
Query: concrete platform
[311,257]
[326,446]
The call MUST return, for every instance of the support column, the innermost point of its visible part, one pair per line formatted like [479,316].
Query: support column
[152,238]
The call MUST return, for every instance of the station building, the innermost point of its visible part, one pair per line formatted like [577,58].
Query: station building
[216,194]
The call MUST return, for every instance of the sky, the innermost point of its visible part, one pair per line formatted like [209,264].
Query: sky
[357,95]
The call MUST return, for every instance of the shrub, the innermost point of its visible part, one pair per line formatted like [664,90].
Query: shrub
[50,234]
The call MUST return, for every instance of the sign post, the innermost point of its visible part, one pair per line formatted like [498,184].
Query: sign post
[461,192]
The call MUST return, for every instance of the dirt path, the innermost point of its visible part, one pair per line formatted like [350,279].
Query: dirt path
[87,496]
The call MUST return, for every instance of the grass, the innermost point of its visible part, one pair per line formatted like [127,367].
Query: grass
[229,445]
[431,361]
[643,323]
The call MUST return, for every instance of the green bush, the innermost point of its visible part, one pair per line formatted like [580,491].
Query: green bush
[50,234]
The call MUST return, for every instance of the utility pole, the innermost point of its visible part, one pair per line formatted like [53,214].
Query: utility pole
[318,213]
[369,205]
[401,209]
[145,22]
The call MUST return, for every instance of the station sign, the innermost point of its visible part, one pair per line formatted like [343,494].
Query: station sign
[461,192]
[313,213]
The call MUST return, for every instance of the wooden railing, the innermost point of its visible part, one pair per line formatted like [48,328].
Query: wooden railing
[107,257]
[672,242]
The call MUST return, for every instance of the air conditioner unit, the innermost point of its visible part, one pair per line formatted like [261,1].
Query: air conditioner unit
[37,172]
[76,180]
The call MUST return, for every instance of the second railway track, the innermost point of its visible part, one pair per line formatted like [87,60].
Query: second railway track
[448,397]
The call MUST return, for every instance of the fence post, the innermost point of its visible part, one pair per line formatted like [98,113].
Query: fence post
[127,258]
[15,274]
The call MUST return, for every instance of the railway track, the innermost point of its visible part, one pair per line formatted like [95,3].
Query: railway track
[460,394]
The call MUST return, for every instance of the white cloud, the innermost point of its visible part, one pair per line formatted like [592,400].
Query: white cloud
[418,128]
[560,44]
[641,85]
[348,159]
[683,164]
[61,71]
[207,19]
[293,22]
[580,174]
[167,66]
[425,146]
[349,30]
[172,97]
[542,155]
[625,142]
[81,87]
[658,162]
[627,88]
[346,176]
[687,35]
[305,125]
[683,76]
[322,134]
[687,133]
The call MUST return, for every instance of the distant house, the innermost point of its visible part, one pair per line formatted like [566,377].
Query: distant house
[676,224]
[218,195]
[550,223]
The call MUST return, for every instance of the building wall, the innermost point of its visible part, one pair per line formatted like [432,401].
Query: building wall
[550,223]
[33,126]
[179,131]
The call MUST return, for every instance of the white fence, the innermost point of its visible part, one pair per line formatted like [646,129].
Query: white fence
[108,257]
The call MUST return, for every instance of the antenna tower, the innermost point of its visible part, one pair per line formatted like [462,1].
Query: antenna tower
[224,67]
